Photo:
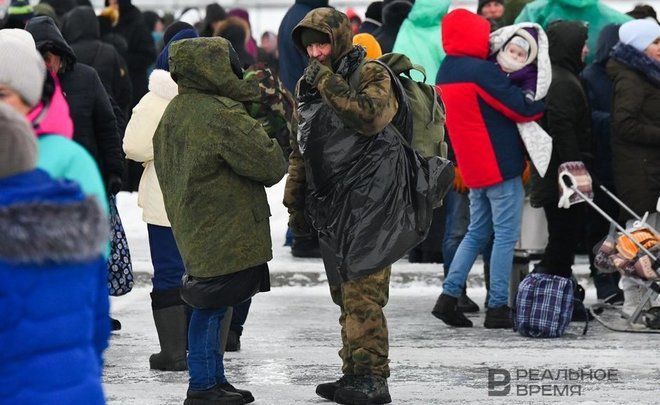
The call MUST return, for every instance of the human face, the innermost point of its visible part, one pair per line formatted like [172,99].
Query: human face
[492,9]
[114,4]
[53,62]
[13,99]
[516,53]
[653,50]
[318,51]
[585,52]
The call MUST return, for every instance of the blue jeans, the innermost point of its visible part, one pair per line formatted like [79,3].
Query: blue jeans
[205,361]
[496,209]
[457,206]
[165,257]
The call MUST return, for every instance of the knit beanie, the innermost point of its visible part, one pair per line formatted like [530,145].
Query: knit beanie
[174,29]
[21,67]
[368,42]
[18,145]
[374,11]
[163,62]
[482,3]
[310,36]
[639,33]
[21,10]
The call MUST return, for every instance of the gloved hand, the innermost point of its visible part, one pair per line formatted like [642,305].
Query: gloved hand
[459,185]
[298,224]
[114,184]
[578,178]
[315,71]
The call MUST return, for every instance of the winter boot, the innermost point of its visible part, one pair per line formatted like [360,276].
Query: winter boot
[214,396]
[327,390]
[364,390]
[447,311]
[115,324]
[247,395]
[498,318]
[466,305]
[172,327]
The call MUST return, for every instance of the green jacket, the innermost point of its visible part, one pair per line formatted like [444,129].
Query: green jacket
[213,161]
[420,37]
[598,15]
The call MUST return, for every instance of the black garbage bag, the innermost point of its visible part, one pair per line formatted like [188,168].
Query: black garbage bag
[369,197]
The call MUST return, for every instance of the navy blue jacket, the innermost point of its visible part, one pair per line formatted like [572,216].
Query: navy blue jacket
[292,62]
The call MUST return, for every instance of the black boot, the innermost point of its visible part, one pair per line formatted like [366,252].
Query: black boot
[447,311]
[327,390]
[214,396]
[305,246]
[233,342]
[466,305]
[247,395]
[172,327]
[498,318]
[115,324]
[364,390]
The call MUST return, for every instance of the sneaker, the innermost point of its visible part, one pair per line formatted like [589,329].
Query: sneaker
[498,318]
[213,396]
[446,309]
[364,390]
[233,342]
[466,305]
[247,395]
[327,390]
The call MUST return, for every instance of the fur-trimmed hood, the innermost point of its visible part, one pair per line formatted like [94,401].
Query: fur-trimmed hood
[49,221]
[162,84]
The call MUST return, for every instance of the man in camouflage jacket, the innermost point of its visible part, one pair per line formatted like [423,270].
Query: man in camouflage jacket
[325,36]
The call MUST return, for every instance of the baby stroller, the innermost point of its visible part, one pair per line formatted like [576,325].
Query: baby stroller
[635,253]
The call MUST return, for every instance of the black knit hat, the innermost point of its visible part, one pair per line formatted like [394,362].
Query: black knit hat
[375,11]
[174,29]
[215,12]
[482,3]
[310,36]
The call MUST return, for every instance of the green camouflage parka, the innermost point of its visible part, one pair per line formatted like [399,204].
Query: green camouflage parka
[213,161]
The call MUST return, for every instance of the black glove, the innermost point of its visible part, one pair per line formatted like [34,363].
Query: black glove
[315,72]
[114,184]
[298,224]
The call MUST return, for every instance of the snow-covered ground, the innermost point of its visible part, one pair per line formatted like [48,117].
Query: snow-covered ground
[291,339]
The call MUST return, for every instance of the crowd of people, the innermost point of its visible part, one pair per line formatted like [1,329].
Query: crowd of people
[198,118]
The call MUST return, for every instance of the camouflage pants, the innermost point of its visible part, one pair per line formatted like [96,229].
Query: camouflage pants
[364,334]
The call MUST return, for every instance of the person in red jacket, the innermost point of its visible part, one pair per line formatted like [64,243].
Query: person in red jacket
[483,107]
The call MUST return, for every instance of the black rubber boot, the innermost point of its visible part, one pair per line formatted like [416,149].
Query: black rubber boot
[446,309]
[171,319]
[327,390]
[498,318]
[214,396]
[247,395]
[364,390]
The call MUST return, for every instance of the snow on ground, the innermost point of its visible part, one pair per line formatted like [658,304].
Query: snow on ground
[291,339]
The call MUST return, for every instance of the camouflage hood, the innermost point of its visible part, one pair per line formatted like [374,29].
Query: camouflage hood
[201,65]
[331,22]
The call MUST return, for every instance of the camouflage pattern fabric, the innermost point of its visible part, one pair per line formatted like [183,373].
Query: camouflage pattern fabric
[275,109]
[364,335]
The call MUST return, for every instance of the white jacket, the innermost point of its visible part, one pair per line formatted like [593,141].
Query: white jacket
[138,144]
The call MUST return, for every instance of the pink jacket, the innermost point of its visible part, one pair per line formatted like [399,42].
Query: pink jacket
[56,119]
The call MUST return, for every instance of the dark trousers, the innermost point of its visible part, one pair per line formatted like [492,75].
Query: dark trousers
[598,227]
[239,316]
[564,232]
[165,257]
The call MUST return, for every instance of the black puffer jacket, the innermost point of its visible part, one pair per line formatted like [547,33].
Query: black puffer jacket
[95,126]
[567,117]
[635,129]
[394,13]
[80,29]
[141,52]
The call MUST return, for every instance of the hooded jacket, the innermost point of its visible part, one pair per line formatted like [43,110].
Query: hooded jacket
[213,161]
[594,12]
[80,29]
[237,32]
[55,323]
[95,125]
[423,21]
[394,14]
[635,131]
[598,87]
[483,106]
[567,115]
[292,62]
